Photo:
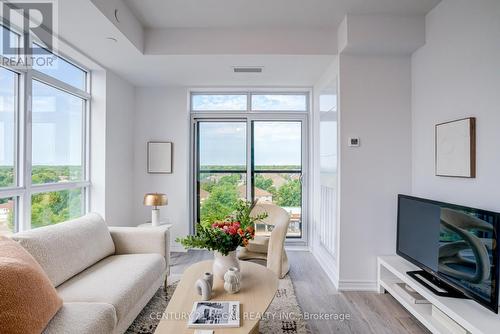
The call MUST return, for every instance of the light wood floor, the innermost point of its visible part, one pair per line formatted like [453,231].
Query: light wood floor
[369,312]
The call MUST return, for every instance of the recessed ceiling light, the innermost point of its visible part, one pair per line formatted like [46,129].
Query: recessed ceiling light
[247,69]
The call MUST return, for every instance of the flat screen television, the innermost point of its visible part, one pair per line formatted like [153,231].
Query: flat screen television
[456,246]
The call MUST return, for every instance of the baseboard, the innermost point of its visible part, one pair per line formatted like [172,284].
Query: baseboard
[342,285]
[355,285]
[330,270]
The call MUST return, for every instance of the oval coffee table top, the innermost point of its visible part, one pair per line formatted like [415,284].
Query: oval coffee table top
[258,287]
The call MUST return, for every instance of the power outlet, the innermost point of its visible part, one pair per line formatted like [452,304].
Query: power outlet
[354,142]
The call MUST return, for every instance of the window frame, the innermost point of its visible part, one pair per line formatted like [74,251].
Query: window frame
[249,95]
[16,128]
[23,188]
[250,117]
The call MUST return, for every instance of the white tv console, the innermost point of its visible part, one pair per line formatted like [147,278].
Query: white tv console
[473,317]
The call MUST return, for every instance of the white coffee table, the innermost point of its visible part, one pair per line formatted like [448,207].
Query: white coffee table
[258,288]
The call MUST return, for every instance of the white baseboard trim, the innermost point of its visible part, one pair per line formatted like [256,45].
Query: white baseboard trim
[355,285]
[330,269]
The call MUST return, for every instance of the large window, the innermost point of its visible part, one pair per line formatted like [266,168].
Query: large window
[222,168]
[55,207]
[209,102]
[8,107]
[61,69]
[57,135]
[279,102]
[251,150]
[277,169]
[44,114]
[7,219]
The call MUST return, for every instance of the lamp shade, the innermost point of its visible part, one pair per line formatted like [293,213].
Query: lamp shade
[155,199]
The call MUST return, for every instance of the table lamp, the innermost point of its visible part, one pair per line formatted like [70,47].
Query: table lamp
[155,200]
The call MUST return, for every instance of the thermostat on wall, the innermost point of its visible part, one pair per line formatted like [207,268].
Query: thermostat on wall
[354,142]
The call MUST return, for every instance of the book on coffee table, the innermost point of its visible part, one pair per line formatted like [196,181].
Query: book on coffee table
[215,314]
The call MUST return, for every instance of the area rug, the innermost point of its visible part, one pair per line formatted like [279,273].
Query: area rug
[283,315]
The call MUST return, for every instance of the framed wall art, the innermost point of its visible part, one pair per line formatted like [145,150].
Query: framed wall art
[159,157]
[456,148]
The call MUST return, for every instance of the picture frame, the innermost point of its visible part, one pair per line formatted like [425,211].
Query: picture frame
[455,148]
[159,157]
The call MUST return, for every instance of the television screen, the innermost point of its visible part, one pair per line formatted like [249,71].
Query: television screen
[455,243]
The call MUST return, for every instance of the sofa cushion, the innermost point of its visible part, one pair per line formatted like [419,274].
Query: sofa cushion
[83,318]
[63,250]
[119,280]
[27,298]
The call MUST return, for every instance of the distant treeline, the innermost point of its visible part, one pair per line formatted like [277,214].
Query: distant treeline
[43,174]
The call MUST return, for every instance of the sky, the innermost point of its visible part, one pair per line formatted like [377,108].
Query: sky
[57,124]
[7,89]
[279,102]
[61,70]
[276,143]
[219,102]
[57,116]
[260,102]
[57,127]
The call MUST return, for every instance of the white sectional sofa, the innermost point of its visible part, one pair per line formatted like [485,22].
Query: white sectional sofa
[105,275]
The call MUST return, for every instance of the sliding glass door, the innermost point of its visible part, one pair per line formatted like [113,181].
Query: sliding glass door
[250,158]
[221,168]
[277,169]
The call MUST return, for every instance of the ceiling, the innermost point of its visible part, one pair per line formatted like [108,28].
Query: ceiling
[160,14]
[216,70]
[202,67]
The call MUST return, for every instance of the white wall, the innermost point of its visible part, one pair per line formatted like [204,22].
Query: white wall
[456,75]
[238,41]
[374,104]
[161,115]
[381,34]
[120,109]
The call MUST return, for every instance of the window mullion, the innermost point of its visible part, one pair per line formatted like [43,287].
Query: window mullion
[17,129]
[53,187]
[58,84]
[11,192]
[249,159]
[86,150]
[249,101]
[250,176]
[25,154]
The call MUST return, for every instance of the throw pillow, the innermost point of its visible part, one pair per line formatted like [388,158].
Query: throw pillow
[27,298]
